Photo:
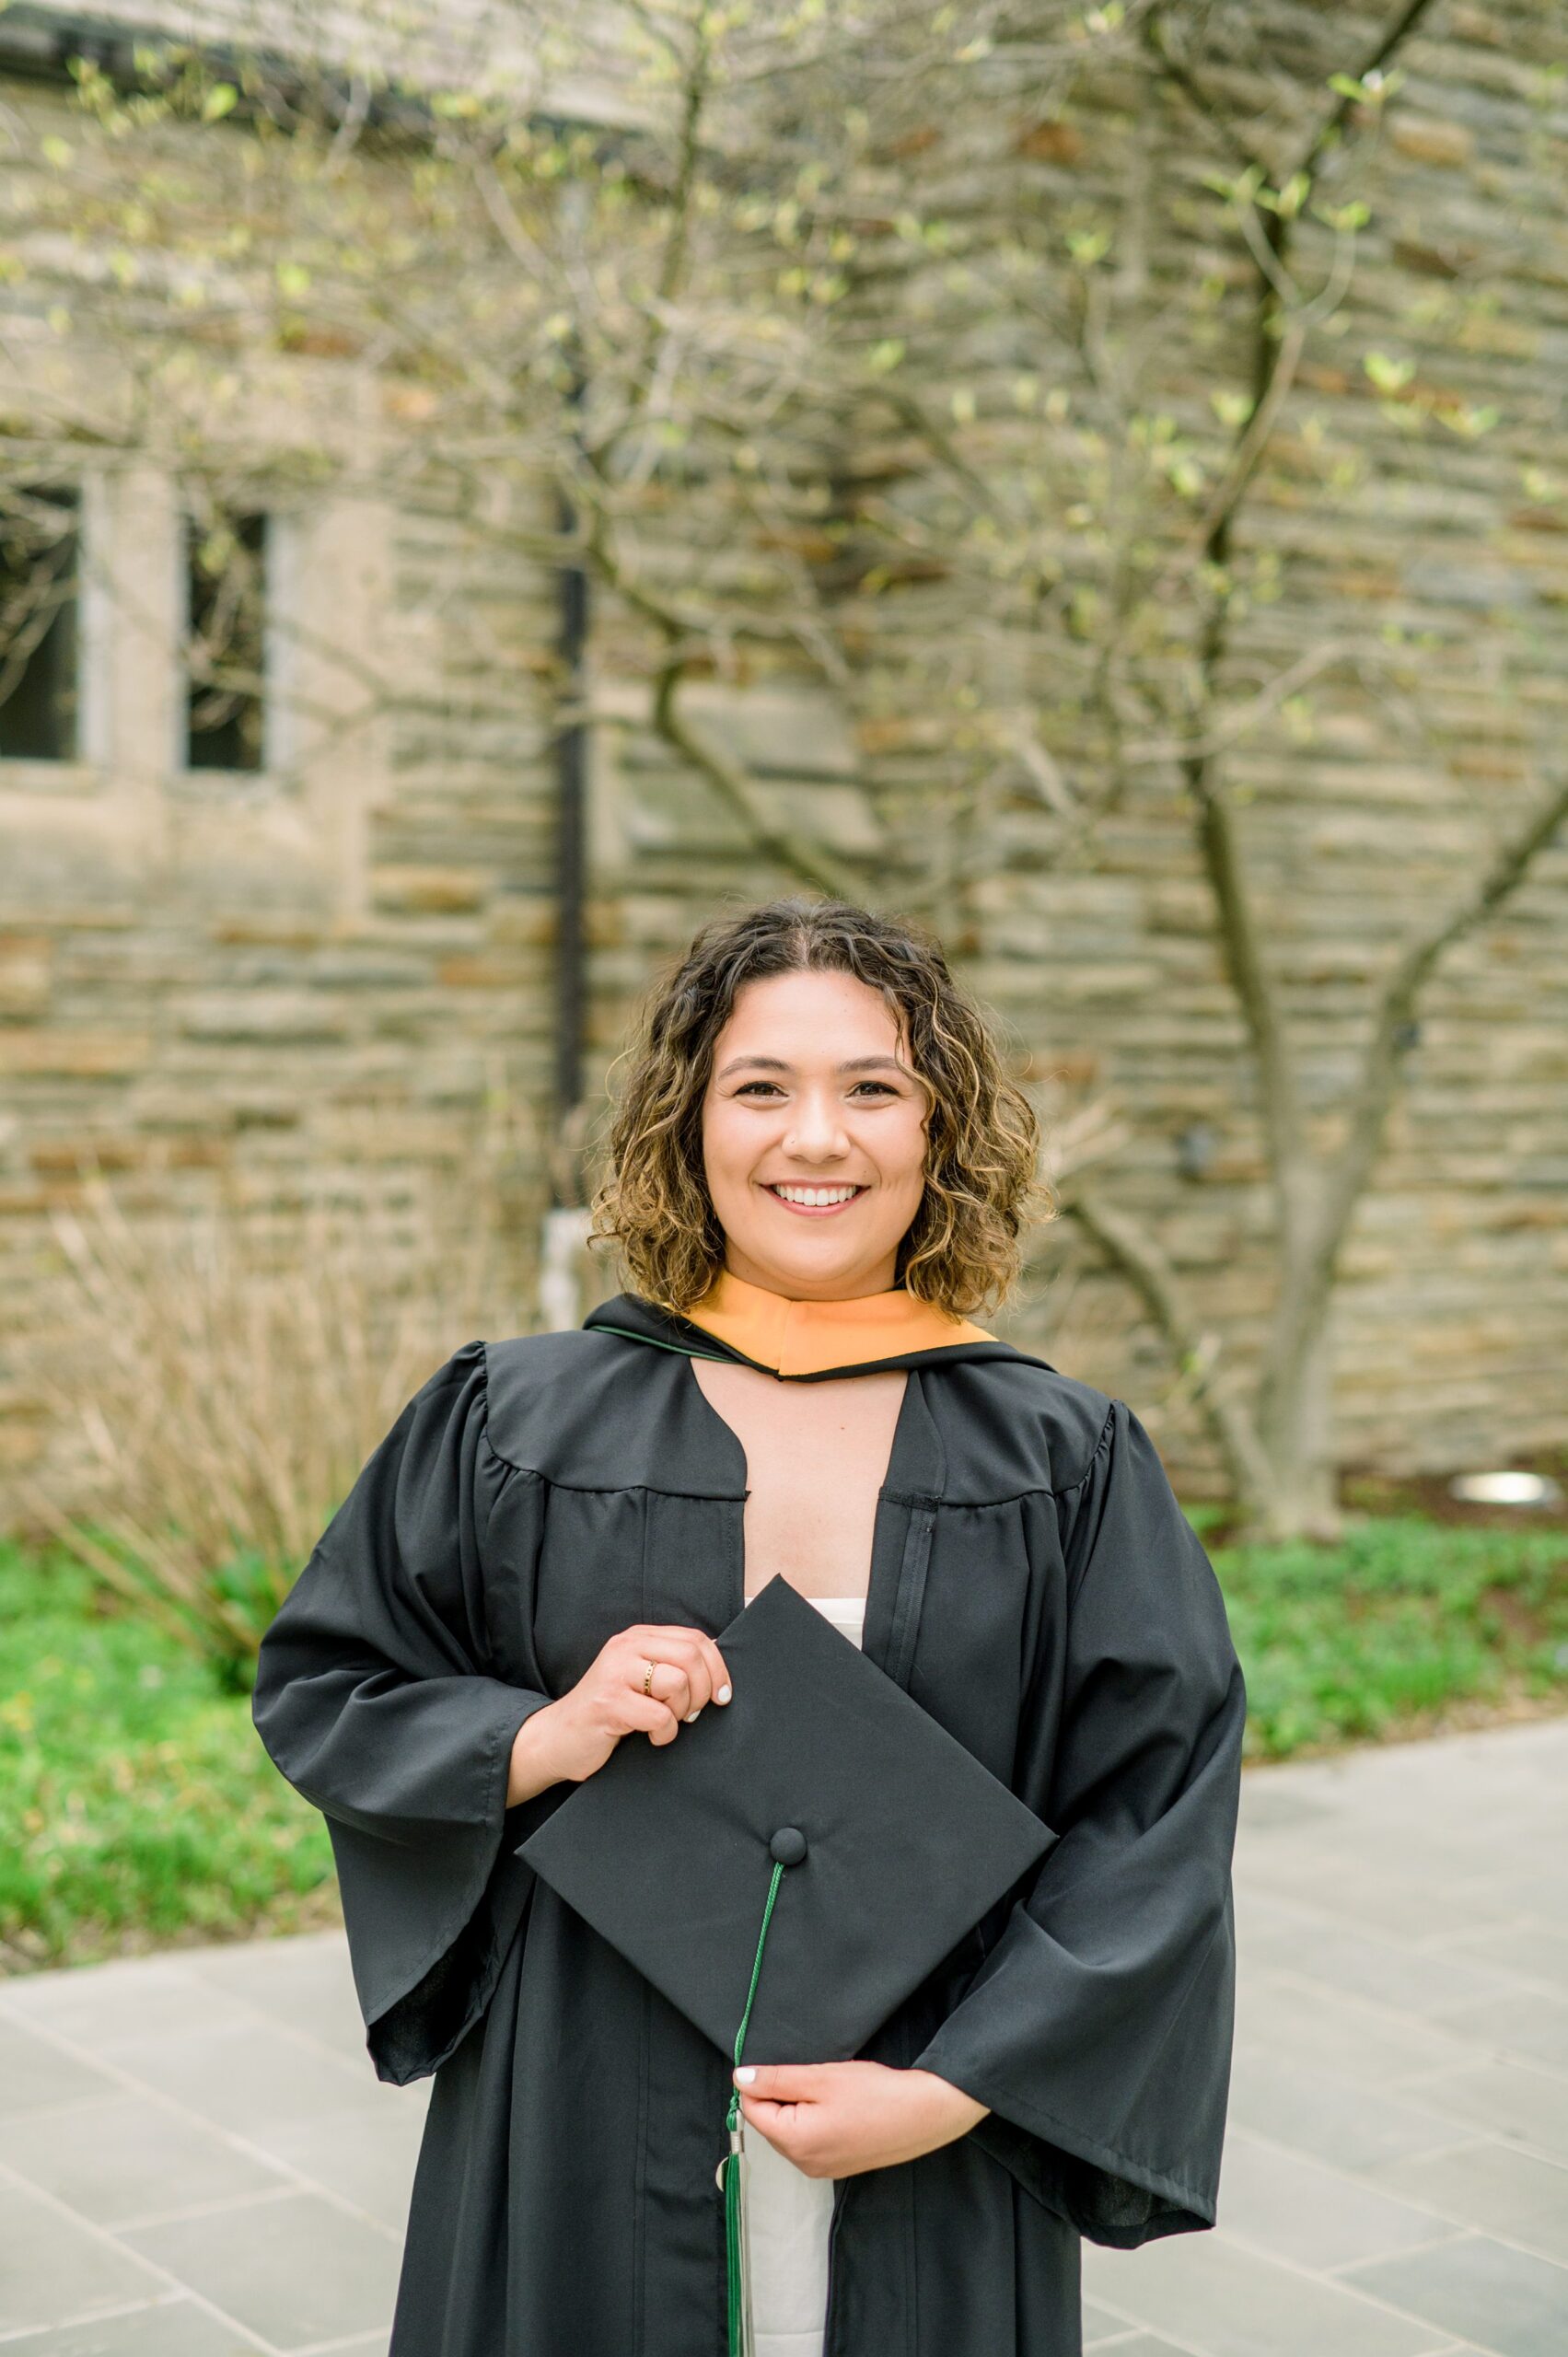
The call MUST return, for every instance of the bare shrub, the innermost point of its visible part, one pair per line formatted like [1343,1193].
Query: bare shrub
[227,1376]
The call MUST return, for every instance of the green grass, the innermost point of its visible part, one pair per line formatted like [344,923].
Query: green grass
[1404,1625]
[138,1809]
[137,1806]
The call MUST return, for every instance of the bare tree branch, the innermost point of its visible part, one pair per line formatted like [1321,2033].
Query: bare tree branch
[1392,1036]
[1137,1255]
[738,790]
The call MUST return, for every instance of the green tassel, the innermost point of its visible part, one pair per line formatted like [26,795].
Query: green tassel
[732,2230]
[739,2290]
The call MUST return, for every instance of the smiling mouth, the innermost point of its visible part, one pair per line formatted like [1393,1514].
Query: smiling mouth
[815,1200]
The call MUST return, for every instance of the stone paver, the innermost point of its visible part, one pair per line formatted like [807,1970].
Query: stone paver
[197,2160]
[1314,2216]
[127,2159]
[51,2262]
[1510,2192]
[295,2270]
[1232,2301]
[213,2165]
[172,2328]
[1479,2287]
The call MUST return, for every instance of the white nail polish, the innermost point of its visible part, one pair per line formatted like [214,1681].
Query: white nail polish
[745,2075]
[693,1715]
[723,1694]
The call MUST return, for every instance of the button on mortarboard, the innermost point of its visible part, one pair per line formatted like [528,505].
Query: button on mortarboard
[788,1846]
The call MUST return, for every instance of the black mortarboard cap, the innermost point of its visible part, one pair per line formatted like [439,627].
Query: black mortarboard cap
[894,1838]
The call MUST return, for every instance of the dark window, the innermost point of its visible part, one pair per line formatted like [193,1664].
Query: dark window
[227,618]
[39,537]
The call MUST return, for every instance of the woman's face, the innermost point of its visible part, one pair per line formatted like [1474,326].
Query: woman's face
[813,1137]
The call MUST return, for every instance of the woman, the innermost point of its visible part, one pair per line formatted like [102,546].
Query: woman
[817,1168]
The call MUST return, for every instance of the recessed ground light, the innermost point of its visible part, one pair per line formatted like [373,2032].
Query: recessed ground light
[1506,1488]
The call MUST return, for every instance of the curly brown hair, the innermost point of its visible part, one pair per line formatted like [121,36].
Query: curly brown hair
[982,1138]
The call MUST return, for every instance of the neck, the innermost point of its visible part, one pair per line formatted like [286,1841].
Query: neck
[870,1287]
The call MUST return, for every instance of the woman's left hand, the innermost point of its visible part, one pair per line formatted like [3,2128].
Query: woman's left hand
[836,2118]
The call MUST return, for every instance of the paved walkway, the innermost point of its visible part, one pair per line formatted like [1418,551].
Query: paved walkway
[196,2159]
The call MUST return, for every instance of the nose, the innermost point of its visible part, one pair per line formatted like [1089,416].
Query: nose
[817,1132]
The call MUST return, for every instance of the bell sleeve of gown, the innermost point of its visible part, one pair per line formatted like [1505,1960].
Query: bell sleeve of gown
[1099,2027]
[373,1698]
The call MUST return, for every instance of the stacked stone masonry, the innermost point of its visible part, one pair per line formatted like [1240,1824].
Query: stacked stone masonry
[269,985]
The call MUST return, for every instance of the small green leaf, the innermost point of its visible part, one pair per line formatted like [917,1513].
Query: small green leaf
[1354,216]
[1232,409]
[1089,246]
[1386,373]
[1471,422]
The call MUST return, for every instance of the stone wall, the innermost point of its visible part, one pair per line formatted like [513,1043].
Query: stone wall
[1430,562]
[326,983]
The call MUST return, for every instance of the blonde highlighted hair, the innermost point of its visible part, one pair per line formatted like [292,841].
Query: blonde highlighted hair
[962,1248]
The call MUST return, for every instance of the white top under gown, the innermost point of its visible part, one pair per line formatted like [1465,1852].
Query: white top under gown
[789,2213]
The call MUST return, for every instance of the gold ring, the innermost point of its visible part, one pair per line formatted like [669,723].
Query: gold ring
[648,1681]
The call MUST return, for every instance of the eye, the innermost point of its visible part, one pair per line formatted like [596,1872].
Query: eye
[748,1086]
[885,1087]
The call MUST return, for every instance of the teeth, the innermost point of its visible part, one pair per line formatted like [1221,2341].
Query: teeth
[813,1196]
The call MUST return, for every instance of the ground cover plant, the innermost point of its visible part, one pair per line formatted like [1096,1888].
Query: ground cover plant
[137,1809]
[1405,1627]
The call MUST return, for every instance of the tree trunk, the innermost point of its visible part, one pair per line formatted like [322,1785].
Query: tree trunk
[1295,1424]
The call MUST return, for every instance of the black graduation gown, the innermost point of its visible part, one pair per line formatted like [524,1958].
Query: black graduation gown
[1033,1584]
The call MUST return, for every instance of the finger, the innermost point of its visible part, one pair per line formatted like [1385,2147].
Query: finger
[784,2082]
[666,1733]
[790,2127]
[712,1662]
[666,1683]
[687,1651]
[705,1664]
[646,1715]
[670,1684]
[774,2120]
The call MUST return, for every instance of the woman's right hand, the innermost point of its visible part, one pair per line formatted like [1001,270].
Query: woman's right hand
[576,1734]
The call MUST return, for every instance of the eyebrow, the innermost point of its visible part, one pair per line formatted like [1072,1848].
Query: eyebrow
[777,1063]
